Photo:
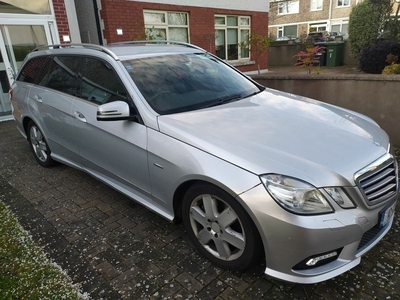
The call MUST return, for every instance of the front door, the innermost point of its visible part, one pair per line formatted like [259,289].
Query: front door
[16,41]
[115,151]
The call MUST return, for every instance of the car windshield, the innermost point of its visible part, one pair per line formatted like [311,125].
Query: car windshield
[185,82]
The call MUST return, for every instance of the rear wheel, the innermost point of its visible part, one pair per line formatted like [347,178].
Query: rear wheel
[39,147]
[220,229]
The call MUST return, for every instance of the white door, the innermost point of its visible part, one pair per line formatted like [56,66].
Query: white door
[16,41]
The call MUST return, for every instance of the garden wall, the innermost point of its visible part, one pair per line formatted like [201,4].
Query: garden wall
[282,55]
[377,96]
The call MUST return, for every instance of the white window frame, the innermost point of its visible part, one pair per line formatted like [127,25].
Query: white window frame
[239,28]
[344,23]
[288,7]
[343,3]
[318,27]
[280,31]
[316,5]
[165,25]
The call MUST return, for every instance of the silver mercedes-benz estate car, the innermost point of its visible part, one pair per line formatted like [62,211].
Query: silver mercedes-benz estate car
[252,172]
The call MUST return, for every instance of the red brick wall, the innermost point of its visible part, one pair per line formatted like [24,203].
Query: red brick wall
[61,18]
[128,15]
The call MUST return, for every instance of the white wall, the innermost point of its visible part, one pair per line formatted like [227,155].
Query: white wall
[250,5]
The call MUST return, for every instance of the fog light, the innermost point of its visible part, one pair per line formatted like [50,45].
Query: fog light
[313,261]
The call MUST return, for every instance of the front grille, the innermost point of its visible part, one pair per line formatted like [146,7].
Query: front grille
[379,184]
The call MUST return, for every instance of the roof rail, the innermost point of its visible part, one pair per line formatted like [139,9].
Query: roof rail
[89,46]
[159,42]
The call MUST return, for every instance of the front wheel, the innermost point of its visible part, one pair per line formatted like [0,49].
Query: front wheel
[39,147]
[220,228]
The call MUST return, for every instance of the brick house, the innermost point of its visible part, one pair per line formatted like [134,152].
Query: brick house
[217,26]
[296,18]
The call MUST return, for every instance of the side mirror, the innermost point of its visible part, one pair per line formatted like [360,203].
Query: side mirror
[114,111]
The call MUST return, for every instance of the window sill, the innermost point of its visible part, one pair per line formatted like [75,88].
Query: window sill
[289,13]
[237,63]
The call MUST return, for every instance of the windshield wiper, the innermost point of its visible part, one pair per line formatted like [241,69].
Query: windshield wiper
[222,100]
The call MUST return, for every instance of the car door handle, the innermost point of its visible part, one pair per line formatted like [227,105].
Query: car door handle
[80,116]
[38,98]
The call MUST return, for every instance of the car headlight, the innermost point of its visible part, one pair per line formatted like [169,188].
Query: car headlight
[340,197]
[295,195]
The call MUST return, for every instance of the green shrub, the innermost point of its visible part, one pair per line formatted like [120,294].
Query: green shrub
[363,27]
[365,23]
[373,58]
[391,69]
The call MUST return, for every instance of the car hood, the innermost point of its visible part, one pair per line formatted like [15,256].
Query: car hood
[276,132]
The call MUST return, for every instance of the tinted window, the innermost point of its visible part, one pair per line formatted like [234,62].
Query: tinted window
[100,83]
[34,70]
[62,75]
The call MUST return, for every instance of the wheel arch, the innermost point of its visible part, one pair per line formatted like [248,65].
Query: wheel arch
[185,186]
[25,123]
[179,195]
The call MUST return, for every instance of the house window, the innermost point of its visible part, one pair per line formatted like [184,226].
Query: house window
[341,29]
[316,5]
[37,7]
[288,7]
[287,31]
[336,28]
[163,25]
[343,3]
[290,31]
[345,30]
[318,27]
[230,31]
[280,31]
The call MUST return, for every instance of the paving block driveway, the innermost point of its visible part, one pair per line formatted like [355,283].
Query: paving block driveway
[118,249]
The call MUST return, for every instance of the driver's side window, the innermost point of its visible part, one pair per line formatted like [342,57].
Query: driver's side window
[100,83]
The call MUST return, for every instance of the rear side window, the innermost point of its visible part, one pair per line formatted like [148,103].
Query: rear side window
[62,75]
[34,70]
[100,83]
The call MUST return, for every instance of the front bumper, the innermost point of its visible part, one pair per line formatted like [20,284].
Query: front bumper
[289,239]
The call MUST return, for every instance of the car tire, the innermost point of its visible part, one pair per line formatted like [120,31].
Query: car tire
[220,228]
[39,146]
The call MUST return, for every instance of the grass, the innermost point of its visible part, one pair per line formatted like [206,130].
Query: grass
[25,271]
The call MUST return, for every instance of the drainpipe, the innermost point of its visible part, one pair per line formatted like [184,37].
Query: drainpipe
[330,15]
[98,26]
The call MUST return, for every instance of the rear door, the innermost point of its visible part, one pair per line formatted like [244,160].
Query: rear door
[50,101]
[32,72]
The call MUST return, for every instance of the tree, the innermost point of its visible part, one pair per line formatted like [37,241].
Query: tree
[311,56]
[257,44]
[365,24]
[392,24]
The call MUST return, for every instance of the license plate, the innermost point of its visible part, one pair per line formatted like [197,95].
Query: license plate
[386,215]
